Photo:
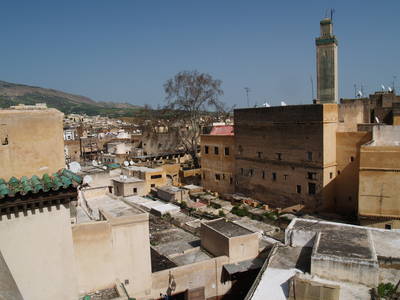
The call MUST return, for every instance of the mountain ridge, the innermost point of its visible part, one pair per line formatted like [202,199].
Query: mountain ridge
[16,93]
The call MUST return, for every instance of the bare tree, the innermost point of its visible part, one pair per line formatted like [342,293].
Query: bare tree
[191,95]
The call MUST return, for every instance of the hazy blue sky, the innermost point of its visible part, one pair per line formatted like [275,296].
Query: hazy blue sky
[125,50]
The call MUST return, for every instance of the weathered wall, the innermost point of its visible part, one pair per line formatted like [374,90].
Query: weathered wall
[35,142]
[243,247]
[277,148]
[214,242]
[222,163]
[39,252]
[207,274]
[348,163]
[126,189]
[379,178]
[93,254]
[72,150]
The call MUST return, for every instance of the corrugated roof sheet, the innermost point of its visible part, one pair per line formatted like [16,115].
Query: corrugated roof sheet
[62,179]
[222,130]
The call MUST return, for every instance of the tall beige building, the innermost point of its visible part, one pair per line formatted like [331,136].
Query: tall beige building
[31,141]
[327,64]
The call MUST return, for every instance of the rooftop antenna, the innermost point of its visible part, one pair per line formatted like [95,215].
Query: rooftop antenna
[312,87]
[394,83]
[247,90]
[332,13]
[355,90]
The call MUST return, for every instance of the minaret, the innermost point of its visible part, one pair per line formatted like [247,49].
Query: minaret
[327,64]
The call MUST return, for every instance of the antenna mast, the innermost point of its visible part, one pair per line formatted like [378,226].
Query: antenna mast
[247,90]
[312,87]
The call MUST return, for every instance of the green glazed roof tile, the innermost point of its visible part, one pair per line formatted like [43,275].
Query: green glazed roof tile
[60,180]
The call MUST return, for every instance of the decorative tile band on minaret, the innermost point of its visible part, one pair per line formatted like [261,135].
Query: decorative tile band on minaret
[327,64]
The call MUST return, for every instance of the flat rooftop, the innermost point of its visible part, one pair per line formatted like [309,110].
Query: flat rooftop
[169,189]
[143,169]
[347,243]
[227,228]
[128,179]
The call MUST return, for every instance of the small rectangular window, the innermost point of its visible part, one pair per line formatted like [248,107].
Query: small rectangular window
[155,176]
[388,226]
[311,188]
[215,150]
[206,149]
[263,174]
[279,156]
[259,154]
[274,176]
[230,180]
[309,156]
[226,150]
[241,171]
[312,175]
[298,189]
[351,158]
[285,177]
[204,175]
[152,185]
[330,175]
[217,177]
[135,190]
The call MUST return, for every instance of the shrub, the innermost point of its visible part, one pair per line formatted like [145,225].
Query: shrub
[385,289]
[240,211]
[221,213]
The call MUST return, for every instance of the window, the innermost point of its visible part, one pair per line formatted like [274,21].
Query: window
[206,149]
[279,156]
[217,177]
[156,176]
[230,180]
[311,188]
[240,149]
[330,175]
[153,185]
[259,154]
[388,226]
[274,176]
[312,175]
[135,190]
[226,150]
[298,189]
[285,177]
[351,158]
[241,171]
[263,174]
[204,175]
[3,135]
[309,156]
[215,150]
[223,176]
[338,172]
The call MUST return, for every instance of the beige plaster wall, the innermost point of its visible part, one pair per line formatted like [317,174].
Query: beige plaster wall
[379,180]
[94,256]
[214,242]
[35,142]
[38,250]
[207,274]
[243,247]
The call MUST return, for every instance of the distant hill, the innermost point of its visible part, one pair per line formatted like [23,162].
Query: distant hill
[13,94]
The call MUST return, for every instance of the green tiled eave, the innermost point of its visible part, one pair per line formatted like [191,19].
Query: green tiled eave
[60,180]
[325,41]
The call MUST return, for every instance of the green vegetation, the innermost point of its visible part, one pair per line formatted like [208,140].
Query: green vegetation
[386,289]
[221,213]
[271,215]
[240,211]
[215,205]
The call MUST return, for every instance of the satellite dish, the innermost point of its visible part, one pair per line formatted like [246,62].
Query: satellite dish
[390,89]
[376,120]
[131,162]
[126,163]
[266,104]
[283,103]
[94,163]
[359,94]
[383,87]
[87,179]
[75,167]
[104,167]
